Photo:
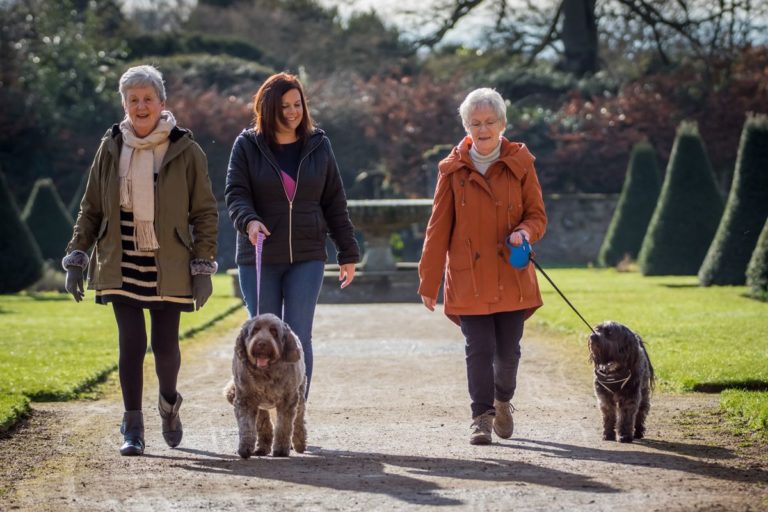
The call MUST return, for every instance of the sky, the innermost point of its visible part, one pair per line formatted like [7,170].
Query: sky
[392,12]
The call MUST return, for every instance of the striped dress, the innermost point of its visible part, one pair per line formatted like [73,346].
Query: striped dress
[139,271]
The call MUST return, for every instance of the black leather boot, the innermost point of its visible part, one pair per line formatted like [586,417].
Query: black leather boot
[169,413]
[133,433]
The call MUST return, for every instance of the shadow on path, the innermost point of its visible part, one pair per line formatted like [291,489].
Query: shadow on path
[688,461]
[368,472]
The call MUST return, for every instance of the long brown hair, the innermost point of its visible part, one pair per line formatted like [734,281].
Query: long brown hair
[268,107]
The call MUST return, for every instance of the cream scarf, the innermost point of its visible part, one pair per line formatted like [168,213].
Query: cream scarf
[140,159]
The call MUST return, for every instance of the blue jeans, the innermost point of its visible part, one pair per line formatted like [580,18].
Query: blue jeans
[289,291]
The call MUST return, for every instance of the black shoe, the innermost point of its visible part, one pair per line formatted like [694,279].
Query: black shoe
[132,429]
[169,413]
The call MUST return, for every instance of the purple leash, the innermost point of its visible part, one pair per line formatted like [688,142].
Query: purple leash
[259,247]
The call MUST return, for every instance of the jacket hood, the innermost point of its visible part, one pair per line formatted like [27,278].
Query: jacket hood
[115,136]
[514,155]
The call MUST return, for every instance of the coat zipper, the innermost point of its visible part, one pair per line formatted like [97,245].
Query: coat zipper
[290,200]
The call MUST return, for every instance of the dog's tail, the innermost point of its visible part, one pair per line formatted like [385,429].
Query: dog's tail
[652,376]
[229,391]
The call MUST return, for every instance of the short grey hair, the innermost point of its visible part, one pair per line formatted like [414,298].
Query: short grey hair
[484,96]
[142,76]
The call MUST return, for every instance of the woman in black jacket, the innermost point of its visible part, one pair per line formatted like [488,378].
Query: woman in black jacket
[283,181]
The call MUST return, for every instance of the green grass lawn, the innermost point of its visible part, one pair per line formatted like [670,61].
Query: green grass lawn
[699,339]
[52,348]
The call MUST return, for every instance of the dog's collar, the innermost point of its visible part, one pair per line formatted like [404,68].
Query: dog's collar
[610,382]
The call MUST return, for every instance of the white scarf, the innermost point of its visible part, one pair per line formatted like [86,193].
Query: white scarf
[140,159]
[483,162]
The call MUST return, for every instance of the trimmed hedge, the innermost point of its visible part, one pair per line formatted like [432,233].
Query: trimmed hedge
[174,43]
[48,219]
[757,270]
[745,213]
[20,256]
[688,212]
[634,209]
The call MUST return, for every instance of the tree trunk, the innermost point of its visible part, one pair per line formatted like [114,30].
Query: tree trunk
[579,36]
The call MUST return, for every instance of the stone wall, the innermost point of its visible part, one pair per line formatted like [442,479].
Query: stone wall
[577,225]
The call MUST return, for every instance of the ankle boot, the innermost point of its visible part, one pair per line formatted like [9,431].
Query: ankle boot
[132,429]
[169,413]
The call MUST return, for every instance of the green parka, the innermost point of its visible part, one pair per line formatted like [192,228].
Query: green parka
[183,199]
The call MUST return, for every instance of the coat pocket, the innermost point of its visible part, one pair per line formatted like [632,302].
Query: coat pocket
[102,229]
[184,238]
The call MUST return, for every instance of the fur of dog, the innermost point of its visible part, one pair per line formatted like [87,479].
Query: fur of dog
[623,380]
[268,372]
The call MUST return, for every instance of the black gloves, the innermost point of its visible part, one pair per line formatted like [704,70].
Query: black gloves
[202,288]
[74,283]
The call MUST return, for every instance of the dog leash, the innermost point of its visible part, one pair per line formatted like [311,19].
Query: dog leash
[520,255]
[258,248]
[538,267]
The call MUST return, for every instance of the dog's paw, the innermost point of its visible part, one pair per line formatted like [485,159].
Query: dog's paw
[261,451]
[281,452]
[625,438]
[609,436]
[639,434]
[244,452]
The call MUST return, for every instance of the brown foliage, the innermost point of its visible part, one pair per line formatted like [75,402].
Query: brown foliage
[594,135]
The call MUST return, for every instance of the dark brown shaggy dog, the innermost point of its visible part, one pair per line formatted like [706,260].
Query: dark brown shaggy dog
[623,380]
[268,373]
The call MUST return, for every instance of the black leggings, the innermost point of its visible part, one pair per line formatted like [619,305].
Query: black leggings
[132,335]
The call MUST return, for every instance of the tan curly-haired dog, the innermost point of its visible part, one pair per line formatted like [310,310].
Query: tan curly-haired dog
[268,373]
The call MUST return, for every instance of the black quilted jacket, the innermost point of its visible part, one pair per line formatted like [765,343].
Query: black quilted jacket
[254,191]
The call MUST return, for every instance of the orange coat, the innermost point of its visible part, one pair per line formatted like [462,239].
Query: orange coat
[471,216]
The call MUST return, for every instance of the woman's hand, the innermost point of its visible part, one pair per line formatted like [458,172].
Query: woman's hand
[429,302]
[516,238]
[346,274]
[254,227]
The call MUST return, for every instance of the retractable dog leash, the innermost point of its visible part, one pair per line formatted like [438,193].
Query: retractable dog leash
[258,248]
[520,255]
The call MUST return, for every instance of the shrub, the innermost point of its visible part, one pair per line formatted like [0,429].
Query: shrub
[757,270]
[19,254]
[634,209]
[746,210]
[688,212]
[48,219]
[174,43]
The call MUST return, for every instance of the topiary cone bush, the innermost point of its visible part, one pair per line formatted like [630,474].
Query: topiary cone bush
[48,219]
[745,212]
[688,211]
[757,270]
[20,261]
[634,208]
[74,204]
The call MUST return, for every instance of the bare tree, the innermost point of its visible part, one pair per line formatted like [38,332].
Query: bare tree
[573,28]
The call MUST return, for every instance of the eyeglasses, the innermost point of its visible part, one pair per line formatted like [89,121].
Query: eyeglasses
[488,124]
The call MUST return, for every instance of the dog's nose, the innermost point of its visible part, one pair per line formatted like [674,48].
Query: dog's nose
[594,337]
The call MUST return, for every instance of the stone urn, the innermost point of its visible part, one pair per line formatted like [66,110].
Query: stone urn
[377,219]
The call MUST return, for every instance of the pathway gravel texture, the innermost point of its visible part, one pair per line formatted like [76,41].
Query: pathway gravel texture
[388,422]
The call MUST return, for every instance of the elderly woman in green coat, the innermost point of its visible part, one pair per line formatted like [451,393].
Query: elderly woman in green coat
[149,210]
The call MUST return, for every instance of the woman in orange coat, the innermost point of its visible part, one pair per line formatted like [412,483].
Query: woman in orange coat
[487,191]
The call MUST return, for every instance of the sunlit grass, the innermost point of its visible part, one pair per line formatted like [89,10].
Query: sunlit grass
[699,339]
[52,348]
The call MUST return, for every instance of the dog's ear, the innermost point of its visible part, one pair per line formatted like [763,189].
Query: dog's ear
[291,350]
[240,341]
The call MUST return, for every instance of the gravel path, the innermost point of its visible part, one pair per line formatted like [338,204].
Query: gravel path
[388,423]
